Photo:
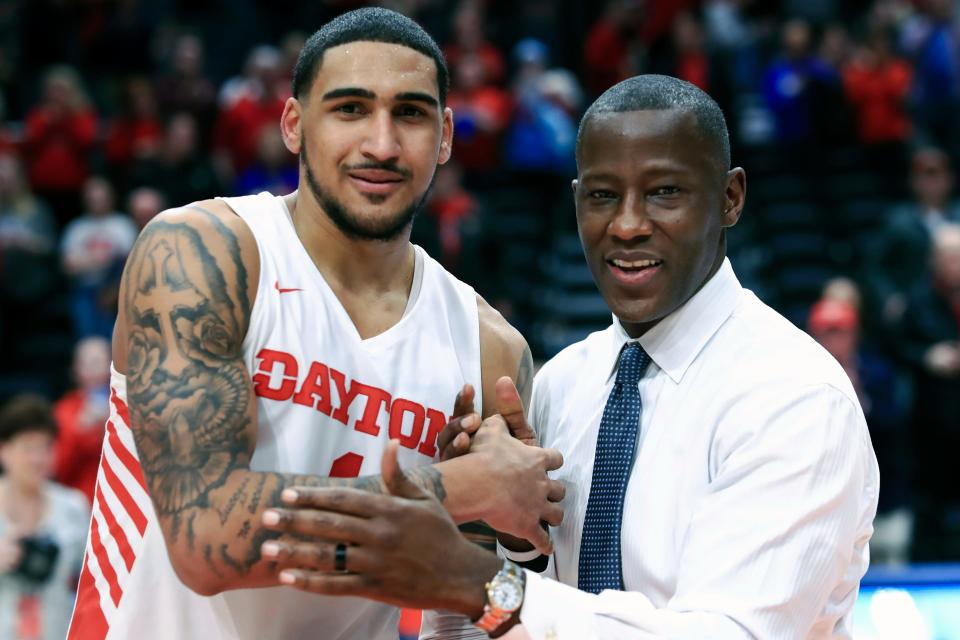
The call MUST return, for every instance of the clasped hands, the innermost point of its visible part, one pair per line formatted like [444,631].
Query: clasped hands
[404,548]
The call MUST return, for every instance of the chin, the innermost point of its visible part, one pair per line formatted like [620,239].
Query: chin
[636,312]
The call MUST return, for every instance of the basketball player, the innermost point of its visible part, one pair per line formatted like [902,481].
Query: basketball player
[265,342]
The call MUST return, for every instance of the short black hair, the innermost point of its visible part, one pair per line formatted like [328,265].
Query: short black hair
[657,92]
[371,24]
[26,413]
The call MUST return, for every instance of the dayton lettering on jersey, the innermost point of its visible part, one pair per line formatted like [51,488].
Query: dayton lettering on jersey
[315,391]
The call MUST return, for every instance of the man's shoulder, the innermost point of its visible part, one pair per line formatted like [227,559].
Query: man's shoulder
[211,243]
[767,349]
[201,212]
[209,219]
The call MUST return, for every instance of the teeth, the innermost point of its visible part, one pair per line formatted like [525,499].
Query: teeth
[635,264]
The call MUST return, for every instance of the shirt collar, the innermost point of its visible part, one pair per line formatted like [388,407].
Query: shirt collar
[674,342]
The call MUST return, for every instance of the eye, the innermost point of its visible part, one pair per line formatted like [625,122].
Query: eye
[601,194]
[349,108]
[668,190]
[410,111]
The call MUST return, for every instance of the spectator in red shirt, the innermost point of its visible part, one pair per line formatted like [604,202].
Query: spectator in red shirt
[686,56]
[613,49]
[81,414]
[60,133]
[481,113]
[451,205]
[877,85]
[136,132]
[248,104]
[469,41]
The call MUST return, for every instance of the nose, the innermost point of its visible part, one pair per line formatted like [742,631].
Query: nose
[382,142]
[631,221]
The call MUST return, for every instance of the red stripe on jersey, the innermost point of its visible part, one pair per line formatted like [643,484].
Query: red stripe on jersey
[88,621]
[120,406]
[131,463]
[104,561]
[129,504]
[115,531]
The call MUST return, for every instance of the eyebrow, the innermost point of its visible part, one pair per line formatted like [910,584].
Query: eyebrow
[349,92]
[417,96]
[357,92]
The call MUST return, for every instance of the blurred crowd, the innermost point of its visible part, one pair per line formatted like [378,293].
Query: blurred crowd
[845,114]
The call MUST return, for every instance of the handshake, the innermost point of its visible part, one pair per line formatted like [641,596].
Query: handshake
[404,547]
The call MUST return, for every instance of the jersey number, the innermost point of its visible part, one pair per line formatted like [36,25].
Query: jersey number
[346,466]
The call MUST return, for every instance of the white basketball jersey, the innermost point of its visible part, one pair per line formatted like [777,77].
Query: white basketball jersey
[327,404]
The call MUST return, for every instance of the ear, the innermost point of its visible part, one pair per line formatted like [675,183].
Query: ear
[446,136]
[573,186]
[735,194]
[290,123]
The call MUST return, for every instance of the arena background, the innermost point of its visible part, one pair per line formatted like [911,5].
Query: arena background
[844,113]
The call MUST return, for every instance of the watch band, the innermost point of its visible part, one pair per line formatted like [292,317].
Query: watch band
[494,617]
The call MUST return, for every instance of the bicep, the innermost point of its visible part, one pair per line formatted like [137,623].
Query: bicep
[185,313]
[504,352]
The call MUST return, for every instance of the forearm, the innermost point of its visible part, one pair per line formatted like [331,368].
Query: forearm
[216,547]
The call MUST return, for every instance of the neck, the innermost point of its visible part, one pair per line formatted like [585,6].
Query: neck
[637,329]
[358,265]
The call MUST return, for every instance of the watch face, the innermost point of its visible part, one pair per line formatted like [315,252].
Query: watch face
[506,595]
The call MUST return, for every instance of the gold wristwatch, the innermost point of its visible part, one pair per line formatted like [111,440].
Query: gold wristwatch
[504,597]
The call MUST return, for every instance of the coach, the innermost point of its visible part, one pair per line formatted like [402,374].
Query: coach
[720,477]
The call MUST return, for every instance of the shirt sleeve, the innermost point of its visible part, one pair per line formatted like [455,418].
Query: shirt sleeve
[782,526]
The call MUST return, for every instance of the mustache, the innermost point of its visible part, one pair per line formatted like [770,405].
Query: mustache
[381,166]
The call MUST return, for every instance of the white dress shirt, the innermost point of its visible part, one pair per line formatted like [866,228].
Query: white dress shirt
[753,490]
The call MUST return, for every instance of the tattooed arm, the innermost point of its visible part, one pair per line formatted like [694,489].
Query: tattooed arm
[186,298]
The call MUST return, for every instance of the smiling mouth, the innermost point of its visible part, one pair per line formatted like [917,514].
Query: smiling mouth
[378,185]
[633,266]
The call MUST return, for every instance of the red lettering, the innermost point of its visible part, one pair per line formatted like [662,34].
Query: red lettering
[315,391]
[345,397]
[437,422]
[400,407]
[376,398]
[261,380]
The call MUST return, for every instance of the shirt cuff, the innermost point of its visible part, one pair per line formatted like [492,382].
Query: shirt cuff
[555,610]
[517,556]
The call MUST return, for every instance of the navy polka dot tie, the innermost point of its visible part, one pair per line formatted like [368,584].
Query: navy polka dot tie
[600,566]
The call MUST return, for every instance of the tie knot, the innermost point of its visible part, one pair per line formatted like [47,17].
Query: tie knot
[633,362]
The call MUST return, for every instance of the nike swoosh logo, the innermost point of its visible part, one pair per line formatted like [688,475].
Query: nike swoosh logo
[276,285]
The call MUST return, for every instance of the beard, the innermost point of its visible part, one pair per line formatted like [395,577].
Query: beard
[382,229]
